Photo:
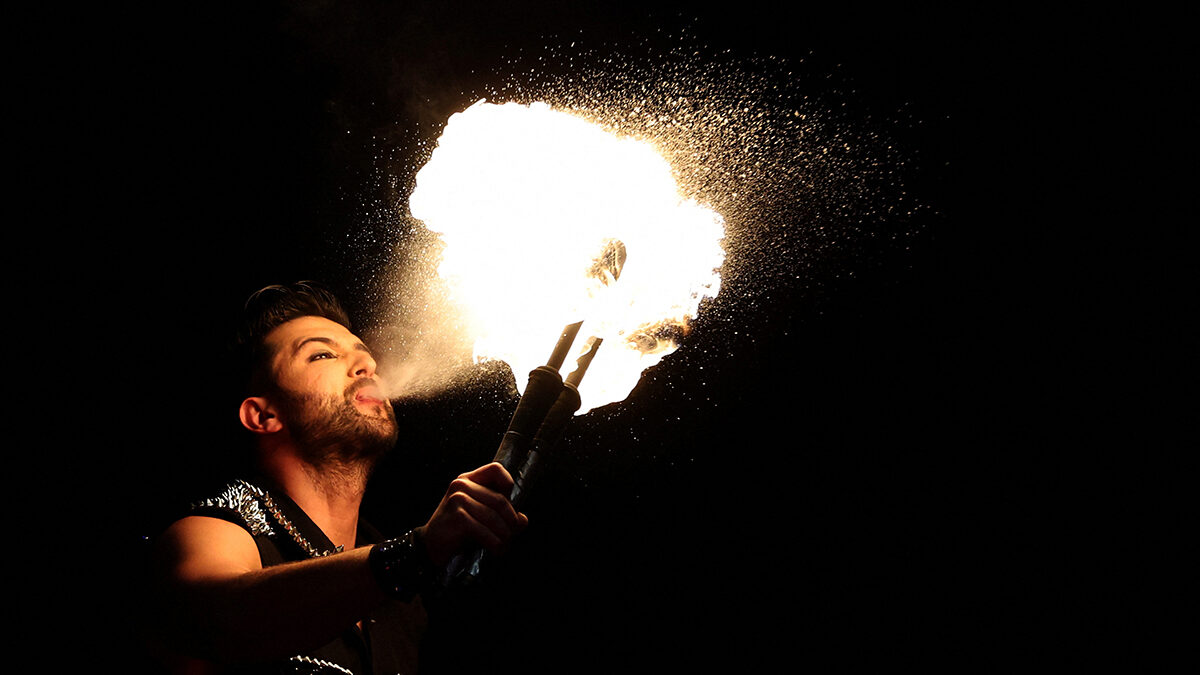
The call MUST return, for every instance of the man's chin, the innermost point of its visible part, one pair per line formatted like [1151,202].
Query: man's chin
[384,432]
[351,435]
[383,424]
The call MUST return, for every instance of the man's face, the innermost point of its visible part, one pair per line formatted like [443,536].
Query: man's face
[331,401]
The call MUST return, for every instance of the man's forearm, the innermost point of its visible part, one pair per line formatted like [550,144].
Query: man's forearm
[274,612]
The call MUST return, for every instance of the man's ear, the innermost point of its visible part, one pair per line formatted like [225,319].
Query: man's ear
[258,415]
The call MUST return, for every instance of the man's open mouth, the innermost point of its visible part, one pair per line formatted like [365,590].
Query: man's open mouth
[368,393]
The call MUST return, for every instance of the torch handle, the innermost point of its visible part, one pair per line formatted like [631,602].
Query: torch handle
[541,416]
[547,437]
[466,568]
[541,393]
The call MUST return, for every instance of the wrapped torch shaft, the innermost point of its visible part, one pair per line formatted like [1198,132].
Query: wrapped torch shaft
[553,426]
[542,414]
[543,390]
[544,386]
[465,569]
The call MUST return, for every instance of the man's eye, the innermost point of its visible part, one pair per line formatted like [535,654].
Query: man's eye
[321,355]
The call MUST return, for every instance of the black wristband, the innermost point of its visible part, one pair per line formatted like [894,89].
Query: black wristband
[399,566]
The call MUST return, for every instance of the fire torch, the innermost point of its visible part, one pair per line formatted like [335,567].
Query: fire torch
[542,415]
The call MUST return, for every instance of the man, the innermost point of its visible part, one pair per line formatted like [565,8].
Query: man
[278,573]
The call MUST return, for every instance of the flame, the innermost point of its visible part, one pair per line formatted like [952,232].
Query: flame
[530,203]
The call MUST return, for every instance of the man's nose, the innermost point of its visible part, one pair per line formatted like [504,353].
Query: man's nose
[363,365]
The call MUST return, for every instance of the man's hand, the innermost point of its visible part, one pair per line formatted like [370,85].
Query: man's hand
[475,510]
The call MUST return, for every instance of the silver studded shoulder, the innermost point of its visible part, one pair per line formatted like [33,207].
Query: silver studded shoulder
[253,504]
[245,500]
[308,665]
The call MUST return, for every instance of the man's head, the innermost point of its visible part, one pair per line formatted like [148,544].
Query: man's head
[310,382]
[266,310]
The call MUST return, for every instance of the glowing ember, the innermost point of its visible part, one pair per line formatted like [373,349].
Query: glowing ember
[529,202]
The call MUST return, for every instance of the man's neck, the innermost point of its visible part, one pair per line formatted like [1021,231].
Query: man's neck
[329,495]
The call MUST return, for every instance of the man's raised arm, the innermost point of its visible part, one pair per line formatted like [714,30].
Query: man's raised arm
[219,603]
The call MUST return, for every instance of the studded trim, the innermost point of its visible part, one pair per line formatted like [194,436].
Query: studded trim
[245,500]
[305,545]
[307,665]
[250,501]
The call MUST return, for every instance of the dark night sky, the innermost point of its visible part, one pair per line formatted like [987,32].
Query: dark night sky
[873,499]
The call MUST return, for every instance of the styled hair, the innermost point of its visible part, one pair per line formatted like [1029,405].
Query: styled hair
[269,308]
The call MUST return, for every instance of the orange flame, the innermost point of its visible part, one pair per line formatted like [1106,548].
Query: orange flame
[528,201]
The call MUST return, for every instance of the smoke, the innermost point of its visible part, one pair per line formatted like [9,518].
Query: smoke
[812,185]
[422,361]
[421,344]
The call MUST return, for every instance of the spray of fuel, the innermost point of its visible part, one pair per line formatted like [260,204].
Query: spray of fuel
[530,203]
[808,184]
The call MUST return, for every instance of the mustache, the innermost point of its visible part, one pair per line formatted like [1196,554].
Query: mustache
[360,385]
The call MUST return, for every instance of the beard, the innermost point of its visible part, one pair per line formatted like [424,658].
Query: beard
[333,433]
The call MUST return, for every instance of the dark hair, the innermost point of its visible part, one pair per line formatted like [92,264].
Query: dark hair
[269,308]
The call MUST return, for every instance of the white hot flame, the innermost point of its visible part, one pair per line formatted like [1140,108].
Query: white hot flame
[525,199]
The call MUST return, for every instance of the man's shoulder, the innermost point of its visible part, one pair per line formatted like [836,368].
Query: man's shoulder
[240,502]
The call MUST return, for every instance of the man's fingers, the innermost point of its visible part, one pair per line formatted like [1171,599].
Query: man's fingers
[489,498]
[481,512]
[493,476]
[475,509]
[482,523]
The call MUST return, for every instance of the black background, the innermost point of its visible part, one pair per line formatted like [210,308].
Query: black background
[865,475]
